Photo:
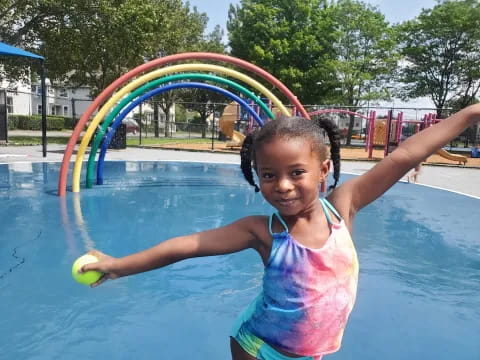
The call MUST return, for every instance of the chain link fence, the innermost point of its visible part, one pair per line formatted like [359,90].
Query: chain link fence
[145,126]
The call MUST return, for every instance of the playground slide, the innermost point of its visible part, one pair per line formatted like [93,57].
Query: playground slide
[237,139]
[453,157]
[227,122]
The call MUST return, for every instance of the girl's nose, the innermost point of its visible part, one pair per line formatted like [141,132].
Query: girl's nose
[284,185]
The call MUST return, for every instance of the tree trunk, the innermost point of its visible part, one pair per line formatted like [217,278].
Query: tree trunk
[155,119]
[350,129]
[166,110]
[203,116]
[167,121]
[439,112]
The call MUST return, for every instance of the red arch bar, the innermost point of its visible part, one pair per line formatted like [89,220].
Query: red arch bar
[100,99]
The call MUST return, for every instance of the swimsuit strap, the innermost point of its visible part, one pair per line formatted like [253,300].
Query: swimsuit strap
[326,205]
[270,220]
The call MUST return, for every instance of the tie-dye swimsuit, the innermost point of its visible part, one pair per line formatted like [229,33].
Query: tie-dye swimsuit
[307,296]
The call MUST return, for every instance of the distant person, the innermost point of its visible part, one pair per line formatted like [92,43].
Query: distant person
[310,263]
[413,176]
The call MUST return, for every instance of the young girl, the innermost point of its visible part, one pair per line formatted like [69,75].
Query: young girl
[311,267]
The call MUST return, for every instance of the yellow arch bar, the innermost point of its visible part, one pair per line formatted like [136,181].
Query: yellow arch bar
[150,76]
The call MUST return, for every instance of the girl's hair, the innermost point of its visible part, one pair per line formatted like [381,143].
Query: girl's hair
[293,127]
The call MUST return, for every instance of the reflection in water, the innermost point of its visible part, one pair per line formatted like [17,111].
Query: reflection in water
[67,227]
[415,251]
[77,206]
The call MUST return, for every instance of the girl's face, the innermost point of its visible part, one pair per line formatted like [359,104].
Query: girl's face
[290,174]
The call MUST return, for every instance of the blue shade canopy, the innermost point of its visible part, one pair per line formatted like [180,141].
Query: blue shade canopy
[9,50]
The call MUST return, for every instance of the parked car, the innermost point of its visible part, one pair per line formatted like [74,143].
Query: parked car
[132,126]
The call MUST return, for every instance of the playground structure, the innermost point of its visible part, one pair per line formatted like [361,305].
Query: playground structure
[388,132]
[150,79]
[231,114]
[158,76]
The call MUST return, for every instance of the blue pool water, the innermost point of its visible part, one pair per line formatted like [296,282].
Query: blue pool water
[419,252]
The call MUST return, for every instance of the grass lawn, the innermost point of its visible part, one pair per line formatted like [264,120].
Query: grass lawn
[37,140]
[165,141]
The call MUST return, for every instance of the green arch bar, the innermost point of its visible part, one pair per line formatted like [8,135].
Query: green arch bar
[109,119]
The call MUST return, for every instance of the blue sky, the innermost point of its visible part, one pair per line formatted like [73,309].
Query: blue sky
[394,10]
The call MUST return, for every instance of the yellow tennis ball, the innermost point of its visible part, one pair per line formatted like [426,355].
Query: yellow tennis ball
[88,277]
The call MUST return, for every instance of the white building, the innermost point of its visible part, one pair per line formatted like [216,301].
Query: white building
[61,101]
[18,98]
[26,99]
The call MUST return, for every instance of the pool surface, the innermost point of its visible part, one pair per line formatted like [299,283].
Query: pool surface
[419,252]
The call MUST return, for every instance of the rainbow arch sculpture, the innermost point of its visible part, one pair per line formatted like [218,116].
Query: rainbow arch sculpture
[145,81]
[109,120]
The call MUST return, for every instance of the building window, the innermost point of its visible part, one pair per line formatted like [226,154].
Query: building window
[63,92]
[9,105]
[55,110]
[36,90]
[39,109]
[65,111]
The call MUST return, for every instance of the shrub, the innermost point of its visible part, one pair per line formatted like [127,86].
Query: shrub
[34,122]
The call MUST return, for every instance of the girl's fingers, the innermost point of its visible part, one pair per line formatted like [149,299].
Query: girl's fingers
[99,265]
[102,279]
[88,267]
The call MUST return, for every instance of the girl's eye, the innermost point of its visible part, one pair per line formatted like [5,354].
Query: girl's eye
[267,175]
[298,172]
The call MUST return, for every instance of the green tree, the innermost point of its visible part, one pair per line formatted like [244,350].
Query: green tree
[293,40]
[441,51]
[206,102]
[19,24]
[20,20]
[211,42]
[366,55]
[93,42]
[100,40]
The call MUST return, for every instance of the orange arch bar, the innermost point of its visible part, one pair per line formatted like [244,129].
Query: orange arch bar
[62,182]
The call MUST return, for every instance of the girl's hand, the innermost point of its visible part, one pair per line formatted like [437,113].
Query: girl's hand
[362,190]
[105,265]
[475,109]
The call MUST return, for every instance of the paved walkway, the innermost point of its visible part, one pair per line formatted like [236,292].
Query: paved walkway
[463,180]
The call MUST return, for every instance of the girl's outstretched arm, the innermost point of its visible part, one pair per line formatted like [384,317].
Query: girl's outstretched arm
[231,238]
[364,189]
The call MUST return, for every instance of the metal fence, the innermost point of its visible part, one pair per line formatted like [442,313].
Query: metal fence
[61,121]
